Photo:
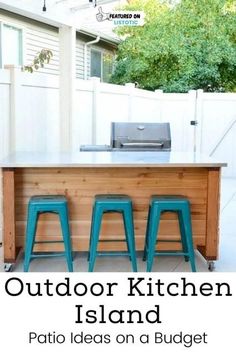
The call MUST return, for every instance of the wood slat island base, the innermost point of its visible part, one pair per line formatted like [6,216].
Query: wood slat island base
[200,184]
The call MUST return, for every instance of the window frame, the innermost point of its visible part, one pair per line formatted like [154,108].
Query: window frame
[22,49]
[102,52]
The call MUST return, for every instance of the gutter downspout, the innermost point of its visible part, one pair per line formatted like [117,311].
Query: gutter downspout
[86,53]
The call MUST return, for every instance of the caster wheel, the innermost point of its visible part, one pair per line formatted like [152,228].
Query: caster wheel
[8,267]
[211,266]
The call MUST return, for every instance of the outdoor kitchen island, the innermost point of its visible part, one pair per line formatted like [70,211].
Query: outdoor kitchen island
[79,176]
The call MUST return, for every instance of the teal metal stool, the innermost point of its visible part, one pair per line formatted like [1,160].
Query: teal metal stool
[181,206]
[47,204]
[112,203]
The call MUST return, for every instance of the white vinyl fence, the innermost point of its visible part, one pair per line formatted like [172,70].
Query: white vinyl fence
[104,103]
[30,118]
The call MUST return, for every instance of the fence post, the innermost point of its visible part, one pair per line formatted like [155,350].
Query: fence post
[1,208]
[199,118]
[191,135]
[131,88]
[67,43]
[95,107]
[10,132]
[15,105]
[159,99]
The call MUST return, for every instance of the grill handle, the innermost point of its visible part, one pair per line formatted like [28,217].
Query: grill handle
[142,144]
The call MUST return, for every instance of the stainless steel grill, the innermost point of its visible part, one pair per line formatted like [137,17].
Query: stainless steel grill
[136,137]
[141,136]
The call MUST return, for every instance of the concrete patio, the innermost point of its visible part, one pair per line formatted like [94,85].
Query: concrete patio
[226,262]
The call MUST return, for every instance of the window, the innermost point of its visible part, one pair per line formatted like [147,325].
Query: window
[107,66]
[11,45]
[101,65]
[96,63]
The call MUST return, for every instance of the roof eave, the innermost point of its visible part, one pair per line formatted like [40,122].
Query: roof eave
[104,37]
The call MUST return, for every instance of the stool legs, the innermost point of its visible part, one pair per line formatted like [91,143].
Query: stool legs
[56,204]
[94,237]
[146,236]
[154,221]
[127,242]
[63,214]
[188,236]
[121,204]
[30,236]
[184,216]
[90,238]
[183,235]
[129,231]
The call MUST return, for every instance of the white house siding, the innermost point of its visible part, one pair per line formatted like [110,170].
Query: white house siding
[79,61]
[37,39]
[37,36]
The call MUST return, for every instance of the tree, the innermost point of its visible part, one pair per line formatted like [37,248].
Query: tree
[183,45]
[44,56]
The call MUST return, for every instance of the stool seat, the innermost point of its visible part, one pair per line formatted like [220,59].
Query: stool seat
[169,203]
[112,202]
[47,204]
[47,199]
[104,203]
[169,198]
[108,198]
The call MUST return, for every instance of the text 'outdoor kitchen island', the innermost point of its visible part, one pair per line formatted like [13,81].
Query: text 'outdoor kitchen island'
[79,176]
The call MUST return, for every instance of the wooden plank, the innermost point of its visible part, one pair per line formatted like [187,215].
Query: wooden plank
[210,250]
[81,243]
[110,227]
[140,212]
[9,215]
[80,185]
[77,227]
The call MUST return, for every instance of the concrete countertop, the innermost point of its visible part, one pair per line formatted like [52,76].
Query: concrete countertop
[108,159]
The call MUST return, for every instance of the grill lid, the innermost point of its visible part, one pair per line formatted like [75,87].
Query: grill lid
[140,136]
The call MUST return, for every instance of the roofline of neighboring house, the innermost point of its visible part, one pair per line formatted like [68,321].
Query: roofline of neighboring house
[104,37]
[30,15]
[57,24]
